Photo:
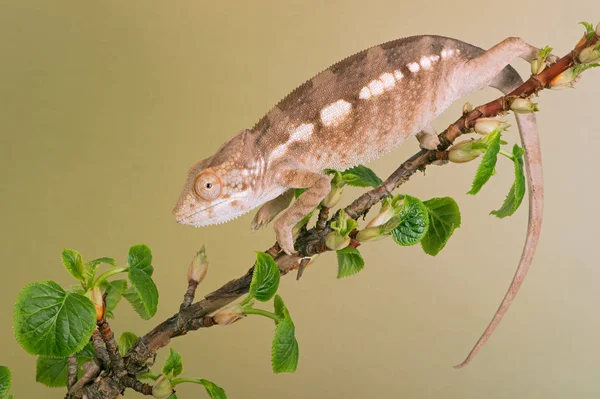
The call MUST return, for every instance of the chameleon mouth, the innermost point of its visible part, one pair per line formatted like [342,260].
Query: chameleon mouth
[185,218]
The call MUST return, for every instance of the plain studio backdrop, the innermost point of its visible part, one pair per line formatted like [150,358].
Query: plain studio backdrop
[104,106]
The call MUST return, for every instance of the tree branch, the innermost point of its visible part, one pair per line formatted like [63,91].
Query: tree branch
[71,371]
[309,242]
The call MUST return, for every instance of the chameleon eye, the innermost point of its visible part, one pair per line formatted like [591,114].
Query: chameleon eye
[207,186]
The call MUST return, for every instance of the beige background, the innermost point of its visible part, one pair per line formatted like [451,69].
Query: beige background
[105,105]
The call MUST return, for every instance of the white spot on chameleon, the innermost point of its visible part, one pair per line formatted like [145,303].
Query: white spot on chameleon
[376,87]
[413,67]
[425,62]
[364,94]
[398,75]
[278,151]
[334,114]
[302,132]
[447,53]
[388,80]
[434,58]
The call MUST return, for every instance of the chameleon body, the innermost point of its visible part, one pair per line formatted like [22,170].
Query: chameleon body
[349,114]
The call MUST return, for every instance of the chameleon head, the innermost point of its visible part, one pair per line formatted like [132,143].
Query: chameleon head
[222,187]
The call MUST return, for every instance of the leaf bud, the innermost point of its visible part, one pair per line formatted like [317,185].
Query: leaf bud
[95,294]
[162,388]
[229,316]
[369,234]
[464,152]
[566,79]
[199,266]
[598,29]
[589,55]
[523,106]
[468,107]
[333,197]
[386,214]
[335,242]
[537,66]
[487,125]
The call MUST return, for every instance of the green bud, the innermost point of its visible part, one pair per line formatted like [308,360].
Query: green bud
[537,66]
[566,79]
[369,234]
[334,241]
[598,29]
[523,106]
[162,388]
[333,197]
[199,266]
[464,152]
[487,125]
[589,55]
[386,214]
[344,225]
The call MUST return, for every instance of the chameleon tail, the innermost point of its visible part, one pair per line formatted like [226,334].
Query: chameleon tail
[508,80]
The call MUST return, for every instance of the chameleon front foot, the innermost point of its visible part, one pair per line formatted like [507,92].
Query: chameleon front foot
[284,237]
[271,209]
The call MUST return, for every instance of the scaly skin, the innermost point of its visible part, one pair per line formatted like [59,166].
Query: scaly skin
[349,114]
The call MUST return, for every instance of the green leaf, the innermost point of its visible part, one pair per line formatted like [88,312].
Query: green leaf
[517,191]
[580,68]
[350,262]
[361,176]
[344,225]
[589,29]
[5,381]
[213,390]
[99,261]
[173,365]
[544,53]
[49,321]
[173,396]
[126,341]
[89,269]
[11,396]
[487,166]
[52,371]
[142,294]
[74,263]
[444,217]
[140,257]
[414,222]
[279,306]
[265,279]
[114,291]
[284,351]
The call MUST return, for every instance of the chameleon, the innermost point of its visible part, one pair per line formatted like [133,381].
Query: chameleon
[353,112]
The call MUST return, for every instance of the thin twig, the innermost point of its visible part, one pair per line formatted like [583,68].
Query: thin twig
[108,337]
[322,219]
[90,370]
[190,293]
[71,371]
[136,385]
[100,349]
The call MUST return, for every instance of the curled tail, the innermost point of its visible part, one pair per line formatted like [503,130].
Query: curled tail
[507,81]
